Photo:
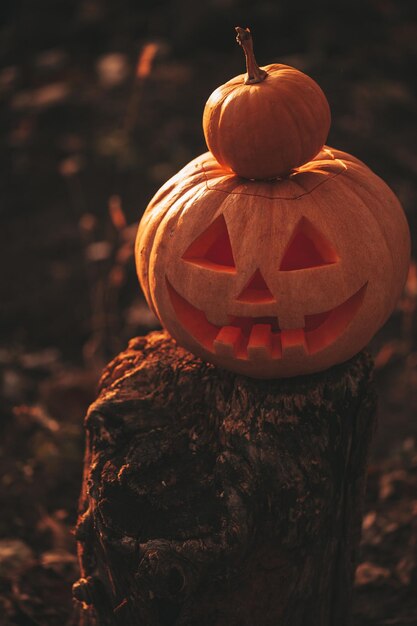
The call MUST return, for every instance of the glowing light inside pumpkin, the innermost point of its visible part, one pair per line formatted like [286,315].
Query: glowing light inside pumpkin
[307,248]
[261,337]
[256,290]
[212,249]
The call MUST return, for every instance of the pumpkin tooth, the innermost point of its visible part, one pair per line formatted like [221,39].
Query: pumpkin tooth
[260,342]
[276,346]
[293,341]
[260,338]
[227,341]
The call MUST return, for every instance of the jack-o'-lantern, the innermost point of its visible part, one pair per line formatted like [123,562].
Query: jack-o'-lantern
[274,278]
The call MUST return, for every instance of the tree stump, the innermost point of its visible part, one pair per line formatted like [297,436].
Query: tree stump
[211,499]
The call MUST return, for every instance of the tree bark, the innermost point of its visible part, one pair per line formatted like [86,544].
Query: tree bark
[211,499]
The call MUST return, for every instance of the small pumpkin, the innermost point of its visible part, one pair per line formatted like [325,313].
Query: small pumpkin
[264,124]
[274,278]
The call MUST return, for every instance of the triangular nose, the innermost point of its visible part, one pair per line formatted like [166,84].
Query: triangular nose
[256,290]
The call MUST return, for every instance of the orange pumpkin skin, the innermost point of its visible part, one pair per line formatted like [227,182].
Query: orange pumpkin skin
[274,279]
[264,130]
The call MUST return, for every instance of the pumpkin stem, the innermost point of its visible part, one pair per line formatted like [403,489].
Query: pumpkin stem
[254,72]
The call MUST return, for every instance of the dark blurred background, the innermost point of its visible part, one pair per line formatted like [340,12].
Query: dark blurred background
[101,102]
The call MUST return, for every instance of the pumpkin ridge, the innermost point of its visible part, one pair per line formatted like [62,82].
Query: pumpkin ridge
[330,152]
[301,141]
[258,195]
[214,118]
[168,195]
[316,91]
[146,236]
[384,236]
[231,100]
[307,114]
[271,68]
[346,157]
[173,214]
[358,195]
[305,191]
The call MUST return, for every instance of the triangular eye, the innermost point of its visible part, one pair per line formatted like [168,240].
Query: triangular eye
[256,290]
[212,249]
[307,248]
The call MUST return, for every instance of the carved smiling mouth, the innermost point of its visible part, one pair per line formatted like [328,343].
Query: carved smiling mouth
[255,338]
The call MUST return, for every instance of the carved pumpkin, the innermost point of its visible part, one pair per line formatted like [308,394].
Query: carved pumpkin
[275,278]
[272,122]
